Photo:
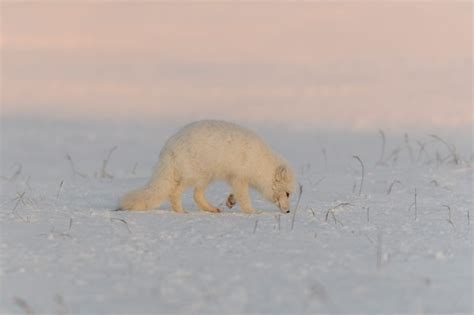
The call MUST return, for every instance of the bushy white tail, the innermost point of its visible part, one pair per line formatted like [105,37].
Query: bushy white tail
[146,198]
[155,193]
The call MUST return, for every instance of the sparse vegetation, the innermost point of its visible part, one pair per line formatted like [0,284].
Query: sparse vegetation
[325,158]
[103,171]
[451,148]
[300,192]
[134,169]
[23,305]
[450,221]
[123,221]
[59,189]
[415,205]
[422,150]
[19,199]
[255,226]
[468,220]
[73,167]
[379,251]
[62,308]
[409,148]
[389,190]
[382,153]
[278,218]
[17,173]
[362,173]
[84,221]
[331,211]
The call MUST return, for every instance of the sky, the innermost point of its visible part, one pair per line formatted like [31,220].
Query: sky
[360,65]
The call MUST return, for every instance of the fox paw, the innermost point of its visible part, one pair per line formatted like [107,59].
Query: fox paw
[212,210]
[231,201]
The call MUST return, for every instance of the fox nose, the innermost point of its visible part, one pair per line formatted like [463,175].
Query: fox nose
[283,209]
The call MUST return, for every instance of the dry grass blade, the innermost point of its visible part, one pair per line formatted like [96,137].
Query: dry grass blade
[111,151]
[23,305]
[451,148]
[362,171]
[300,192]
[71,163]
[19,199]
[319,292]
[27,182]
[382,153]
[439,159]
[469,222]
[255,226]
[17,173]
[278,218]
[369,239]
[335,219]
[394,155]
[103,172]
[63,310]
[409,148]
[123,221]
[379,251]
[422,149]
[331,211]
[305,168]
[59,190]
[389,190]
[313,185]
[325,157]
[414,204]
[134,169]
[73,167]
[449,215]
[435,182]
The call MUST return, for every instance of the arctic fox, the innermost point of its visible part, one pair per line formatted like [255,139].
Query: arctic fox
[210,150]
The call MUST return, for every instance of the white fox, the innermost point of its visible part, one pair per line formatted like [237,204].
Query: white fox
[210,150]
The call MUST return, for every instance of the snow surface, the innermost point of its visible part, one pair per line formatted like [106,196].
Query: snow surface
[63,251]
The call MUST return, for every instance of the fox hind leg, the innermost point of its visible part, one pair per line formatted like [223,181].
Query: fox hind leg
[200,199]
[175,198]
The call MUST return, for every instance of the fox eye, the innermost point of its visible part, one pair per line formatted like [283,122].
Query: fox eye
[288,195]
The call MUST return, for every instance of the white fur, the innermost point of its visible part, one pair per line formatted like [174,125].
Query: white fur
[206,151]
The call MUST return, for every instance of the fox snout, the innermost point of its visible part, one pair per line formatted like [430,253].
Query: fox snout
[284,205]
[284,210]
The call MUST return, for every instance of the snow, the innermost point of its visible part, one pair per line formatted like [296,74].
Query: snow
[63,251]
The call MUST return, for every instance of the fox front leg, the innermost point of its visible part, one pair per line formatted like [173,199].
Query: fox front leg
[241,192]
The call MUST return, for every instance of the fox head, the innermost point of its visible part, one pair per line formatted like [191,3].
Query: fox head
[283,186]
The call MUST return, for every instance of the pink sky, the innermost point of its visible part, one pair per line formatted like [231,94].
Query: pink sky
[363,65]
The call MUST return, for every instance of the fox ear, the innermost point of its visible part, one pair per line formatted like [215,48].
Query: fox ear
[281,173]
